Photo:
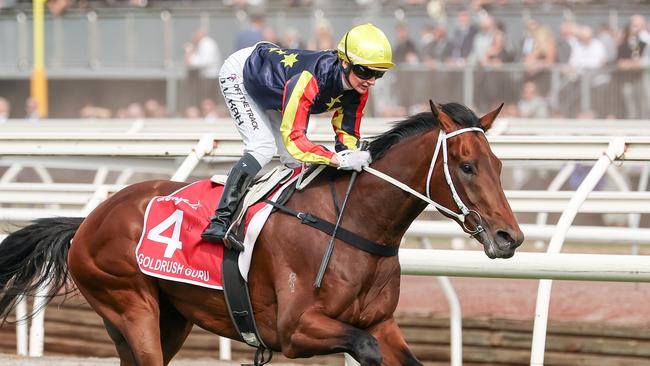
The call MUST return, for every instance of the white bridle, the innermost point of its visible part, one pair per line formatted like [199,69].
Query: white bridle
[442,141]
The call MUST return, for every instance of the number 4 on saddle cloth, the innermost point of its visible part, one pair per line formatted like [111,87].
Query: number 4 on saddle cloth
[171,247]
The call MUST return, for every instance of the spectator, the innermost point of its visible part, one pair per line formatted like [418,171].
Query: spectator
[269,35]
[462,38]
[427,41]
[89,110]
[607,37]
[244,3]
[528,42]
[203,58]
[435,51]
[483,39]
[567,34]
[58,7]
[139,3]
[153,109]
[405,50]
[543,52]
[5,110]
[540,58]
[323,38]
[497,52]
[531,104]
[31,110]
[630,51]
[435,45]
[587,55]
[203,54]
[291,39]
[253,33]
[192,112]
[135,110]
[587,52]
[209,110]
[493,85]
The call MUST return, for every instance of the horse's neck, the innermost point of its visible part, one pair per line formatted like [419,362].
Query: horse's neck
[392,210]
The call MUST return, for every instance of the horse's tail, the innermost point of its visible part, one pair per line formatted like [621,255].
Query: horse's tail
[35,256]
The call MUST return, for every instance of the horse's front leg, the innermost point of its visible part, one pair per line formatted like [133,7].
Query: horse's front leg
[394,349]
[317,334]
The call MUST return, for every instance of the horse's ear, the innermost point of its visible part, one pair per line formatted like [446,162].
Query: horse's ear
[446,123]
[434,109]
[486,121]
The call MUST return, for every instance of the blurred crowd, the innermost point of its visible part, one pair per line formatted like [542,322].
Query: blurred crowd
[610,61]
[613,61]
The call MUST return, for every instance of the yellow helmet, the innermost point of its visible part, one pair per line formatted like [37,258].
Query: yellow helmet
[368,46]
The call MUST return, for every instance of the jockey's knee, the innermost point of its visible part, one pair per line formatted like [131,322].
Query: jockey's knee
[263,155]
[287,160]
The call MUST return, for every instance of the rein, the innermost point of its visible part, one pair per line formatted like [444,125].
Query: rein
[442,141]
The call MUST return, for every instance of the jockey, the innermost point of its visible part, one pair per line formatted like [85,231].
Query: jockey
[271,92]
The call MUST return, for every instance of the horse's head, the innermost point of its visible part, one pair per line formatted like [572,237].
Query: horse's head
[474,172]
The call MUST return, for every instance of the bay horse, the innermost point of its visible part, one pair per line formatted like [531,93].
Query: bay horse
[148,318]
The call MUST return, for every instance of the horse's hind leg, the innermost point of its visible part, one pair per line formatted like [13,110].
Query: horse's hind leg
[134,328]
[128,302]
[138,324]
[123,349]
[174,329]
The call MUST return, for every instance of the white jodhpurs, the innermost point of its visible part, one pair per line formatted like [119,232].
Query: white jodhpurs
[259,129]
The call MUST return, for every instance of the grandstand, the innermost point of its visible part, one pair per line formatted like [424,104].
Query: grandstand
[112,54]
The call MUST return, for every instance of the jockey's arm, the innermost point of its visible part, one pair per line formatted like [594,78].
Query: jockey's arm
[347,120]
[299,95]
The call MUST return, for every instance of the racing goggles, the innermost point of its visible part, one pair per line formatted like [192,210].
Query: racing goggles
[366,73]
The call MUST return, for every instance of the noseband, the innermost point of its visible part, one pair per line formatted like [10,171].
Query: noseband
[464,211]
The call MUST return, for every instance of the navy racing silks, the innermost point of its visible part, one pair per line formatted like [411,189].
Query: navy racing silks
[300,83]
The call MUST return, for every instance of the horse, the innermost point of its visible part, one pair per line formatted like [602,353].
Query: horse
[148,318]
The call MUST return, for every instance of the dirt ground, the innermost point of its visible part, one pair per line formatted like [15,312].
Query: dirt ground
[616,303]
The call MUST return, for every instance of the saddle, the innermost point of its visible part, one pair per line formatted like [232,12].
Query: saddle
[262,188]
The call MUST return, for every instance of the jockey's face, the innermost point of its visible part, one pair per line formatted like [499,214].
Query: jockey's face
[357,83]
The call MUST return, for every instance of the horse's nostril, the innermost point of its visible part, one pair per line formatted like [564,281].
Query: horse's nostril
[505,237]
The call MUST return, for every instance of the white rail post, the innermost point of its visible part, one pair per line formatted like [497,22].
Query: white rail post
[203,147]
[225,349]
[349,361]
[21,326]
[635,219]
[37,329]
[455,314]
[555,185]
[615,150]
[455,321]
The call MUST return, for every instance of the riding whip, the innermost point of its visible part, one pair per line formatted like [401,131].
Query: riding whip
[330,244]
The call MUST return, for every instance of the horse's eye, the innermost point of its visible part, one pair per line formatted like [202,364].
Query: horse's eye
[467,168]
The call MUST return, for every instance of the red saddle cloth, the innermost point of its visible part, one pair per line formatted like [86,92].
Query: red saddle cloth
[171,247]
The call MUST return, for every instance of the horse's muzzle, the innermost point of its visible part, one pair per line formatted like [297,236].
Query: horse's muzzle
[502,244]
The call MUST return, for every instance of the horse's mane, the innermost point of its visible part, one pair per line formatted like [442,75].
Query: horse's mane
[419,123]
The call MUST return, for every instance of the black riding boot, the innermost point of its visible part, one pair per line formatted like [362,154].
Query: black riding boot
[240,177]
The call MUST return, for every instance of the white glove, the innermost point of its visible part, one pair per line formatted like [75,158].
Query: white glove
[353,159]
